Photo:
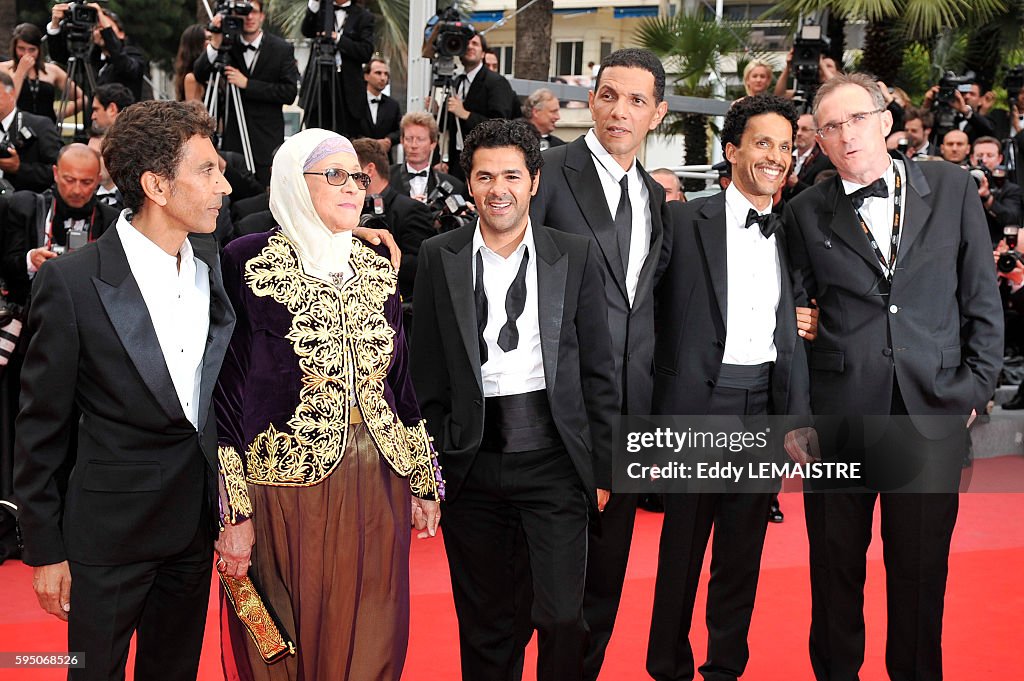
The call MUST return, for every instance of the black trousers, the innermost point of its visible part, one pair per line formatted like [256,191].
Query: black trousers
[165,601]
[740,521]
[507,499]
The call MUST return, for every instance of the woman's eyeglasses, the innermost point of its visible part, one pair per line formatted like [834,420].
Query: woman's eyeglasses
[336,177]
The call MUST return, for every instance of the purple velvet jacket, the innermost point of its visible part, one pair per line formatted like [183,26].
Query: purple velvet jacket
[302,350]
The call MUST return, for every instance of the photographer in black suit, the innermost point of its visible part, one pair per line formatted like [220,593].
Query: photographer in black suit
[479,94]
[29,146]
[262,67]
[353,36]
[416,178]
[111,58]
[382,118]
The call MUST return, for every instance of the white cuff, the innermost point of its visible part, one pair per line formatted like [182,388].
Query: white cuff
[28,265]
[314,5]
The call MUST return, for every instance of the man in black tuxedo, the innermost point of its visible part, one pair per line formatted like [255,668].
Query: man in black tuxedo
[38,227]
[262,66]
[808,160]
[126,336]
[917,124]
[353,36]
[543,112]
[382,118]
[910,328]
[480,94]
[517,389]
[1000,197]
[415,177]
[581,191]
[409,221]
[727,280]
[29,143]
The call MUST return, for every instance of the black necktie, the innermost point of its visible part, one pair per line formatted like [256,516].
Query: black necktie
[480,298]
[374,101]
[877,188]
[250,46]
[624,222]
[422,173]
[767,223]
[515,303]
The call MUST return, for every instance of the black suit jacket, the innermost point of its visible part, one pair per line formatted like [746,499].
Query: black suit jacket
[490,96]
[410,222]
[36,141]
[400,181]
[816,163]
[692,303]
[355,45]
[143,475]
[273,83]
[389,119]
[570,199]
[574,344]
[940,330]
[25,228]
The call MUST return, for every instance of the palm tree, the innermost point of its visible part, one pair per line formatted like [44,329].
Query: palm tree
[692,45]
[533,40]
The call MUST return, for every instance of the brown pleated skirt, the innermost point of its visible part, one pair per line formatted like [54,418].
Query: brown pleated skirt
[333,561]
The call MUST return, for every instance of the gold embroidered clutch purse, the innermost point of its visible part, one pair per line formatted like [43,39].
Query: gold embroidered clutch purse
[259,620]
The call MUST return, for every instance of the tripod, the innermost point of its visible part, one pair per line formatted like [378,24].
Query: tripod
[444,84]
[79,71]
[219,98]
[320,87]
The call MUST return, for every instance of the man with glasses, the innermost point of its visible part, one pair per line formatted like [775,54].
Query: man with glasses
[898,257]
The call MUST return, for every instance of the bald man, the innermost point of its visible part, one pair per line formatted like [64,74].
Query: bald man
[670,181]
[42,226]
[955,147]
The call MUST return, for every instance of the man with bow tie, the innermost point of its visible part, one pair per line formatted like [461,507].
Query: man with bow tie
[898,256]
[353,39]
[262,67]
[727,344]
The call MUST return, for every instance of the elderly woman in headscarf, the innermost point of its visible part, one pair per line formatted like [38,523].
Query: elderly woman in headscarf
[321,440]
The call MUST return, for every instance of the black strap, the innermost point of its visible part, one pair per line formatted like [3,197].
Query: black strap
[887,267]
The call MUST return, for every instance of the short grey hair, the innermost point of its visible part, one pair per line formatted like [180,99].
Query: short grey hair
[837,81]
[536,98]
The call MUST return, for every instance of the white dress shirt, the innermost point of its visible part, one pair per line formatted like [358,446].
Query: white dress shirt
[373,105]
[520,370]
[418,185]
[755,284]
[177,295]
[610,172]
[879,212]
[248,55]
[467,82]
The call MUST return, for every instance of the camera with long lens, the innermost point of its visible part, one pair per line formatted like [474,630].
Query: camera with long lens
[980,173]
[1013,81]
[77,26]
[449,208]
[942,106]
[233,14]
[1007,262]
[808,47]
[446,36]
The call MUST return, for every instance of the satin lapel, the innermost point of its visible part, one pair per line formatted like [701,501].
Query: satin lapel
[785,330]
[712,238]
[838,218]
[121,298]
[457,263]
[222,323]
[585,185]
[917,208]
[552,272]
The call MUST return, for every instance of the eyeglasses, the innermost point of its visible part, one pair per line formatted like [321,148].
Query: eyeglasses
[855,121]
[337,177]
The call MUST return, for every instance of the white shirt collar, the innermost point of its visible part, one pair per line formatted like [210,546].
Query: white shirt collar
[145,253]
[739,205]
[527,242]
[605,159]
[9,119]
[470,75]
[889,177]
[255,43]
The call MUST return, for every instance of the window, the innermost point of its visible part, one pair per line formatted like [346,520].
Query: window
[506,59]
[569,58]
[606,49]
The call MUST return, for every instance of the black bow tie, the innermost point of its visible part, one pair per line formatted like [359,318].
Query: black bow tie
[877,188]
[422,173]
[250,46]
[374,101]
[767,223]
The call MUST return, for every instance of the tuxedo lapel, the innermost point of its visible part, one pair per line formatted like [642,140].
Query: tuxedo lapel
[552,272]
[457,263]
[917,208]
[840,219]
[585,185]
[712,239]
[122,299]
[222,322]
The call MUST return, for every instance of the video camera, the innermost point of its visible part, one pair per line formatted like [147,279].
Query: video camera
[233,14]
[1007,262]
[446,36]
[1013,81]
[808,47]
[949,85]
[77,26]
[449,208]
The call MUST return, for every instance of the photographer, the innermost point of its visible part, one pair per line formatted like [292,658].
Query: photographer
[1010,275]
[107,104]
[29,143]
[949,102]
[262,67]
[479,94]
[111,59]
[407,219]
[915,138]
[40,226]
[415,178]
[353,38]
[1000,197]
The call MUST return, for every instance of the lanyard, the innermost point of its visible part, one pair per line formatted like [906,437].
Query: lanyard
[887,267]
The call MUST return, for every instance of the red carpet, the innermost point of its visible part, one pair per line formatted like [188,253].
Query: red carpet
[983,623]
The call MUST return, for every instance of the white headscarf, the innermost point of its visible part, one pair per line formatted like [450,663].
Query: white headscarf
[321,251]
